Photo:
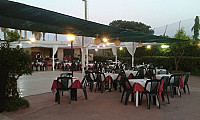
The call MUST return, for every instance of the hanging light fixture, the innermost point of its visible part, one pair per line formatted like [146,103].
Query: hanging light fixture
[140,44]
[105,40]
[148,46]
[117,42]
[97,41]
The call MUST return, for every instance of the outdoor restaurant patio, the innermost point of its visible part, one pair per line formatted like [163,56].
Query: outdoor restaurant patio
[100,105]
[63,87]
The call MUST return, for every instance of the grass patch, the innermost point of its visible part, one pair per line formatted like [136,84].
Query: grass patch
[13,104]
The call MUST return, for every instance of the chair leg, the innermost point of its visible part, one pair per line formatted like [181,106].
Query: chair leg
[158,101]
[163,98]
[179,89]
[69,91]
[122,96]
[188,89]
[132,98]
[167,97]
[85,93]
[172,91]
[141,98]
[127,96]
[58,95]
[148,101]
[102,87]
[184,89]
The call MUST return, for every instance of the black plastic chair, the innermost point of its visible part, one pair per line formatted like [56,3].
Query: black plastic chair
[153,91]
[127,88]
[65,83]
[150,73]
[175,84]
[165,91]
[89,77]
[66,75]
[100,77]
[187,74]
[140,74]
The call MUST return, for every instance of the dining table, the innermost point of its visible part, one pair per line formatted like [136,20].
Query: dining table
[128,72]
[138,86]
[76,84]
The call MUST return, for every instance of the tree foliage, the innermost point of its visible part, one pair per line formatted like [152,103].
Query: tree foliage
[178,48]
[16,61]
[132,25]
[196,28]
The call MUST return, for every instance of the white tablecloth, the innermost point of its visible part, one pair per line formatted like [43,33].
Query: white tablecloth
[128,72]
[163,71]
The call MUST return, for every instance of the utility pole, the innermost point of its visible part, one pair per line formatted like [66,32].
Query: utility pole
[83,48]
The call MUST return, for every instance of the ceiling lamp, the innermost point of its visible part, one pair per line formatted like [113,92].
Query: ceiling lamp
[117,42]
[71,37]
[32,40]
[121,48]
[140,44]
[148,46]
[105,40]
[97,41]
[164,46]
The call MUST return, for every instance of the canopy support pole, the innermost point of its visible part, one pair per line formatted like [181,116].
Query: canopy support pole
[86,58]
[132,60]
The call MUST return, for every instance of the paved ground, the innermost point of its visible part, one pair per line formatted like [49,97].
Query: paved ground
[101,106]
[39,82]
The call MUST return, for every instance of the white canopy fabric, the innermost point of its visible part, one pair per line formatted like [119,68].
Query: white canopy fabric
[131,47]
[114,50]
[55,48]
[83,43]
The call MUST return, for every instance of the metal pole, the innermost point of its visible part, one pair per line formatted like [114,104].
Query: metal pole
[72,56]
[85,9]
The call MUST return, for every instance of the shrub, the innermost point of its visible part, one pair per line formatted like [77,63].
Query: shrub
[13,104]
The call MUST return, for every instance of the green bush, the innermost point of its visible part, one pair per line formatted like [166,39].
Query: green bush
[13,104]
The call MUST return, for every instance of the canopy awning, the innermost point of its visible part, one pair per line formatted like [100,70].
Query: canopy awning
[25,17]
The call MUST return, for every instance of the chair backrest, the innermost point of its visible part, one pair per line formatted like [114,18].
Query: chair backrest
[66,75]
[66,82]
[89,76]
[150,73]
[151,86]
[100,77]
[176,78]
[140,74]
[124,82]
[187,74]
[166,82]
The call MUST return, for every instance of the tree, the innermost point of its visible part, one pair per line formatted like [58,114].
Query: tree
[196,28]
[178,48]
[14,62]
[132,25]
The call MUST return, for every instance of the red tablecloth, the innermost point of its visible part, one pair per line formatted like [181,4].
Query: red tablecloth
[75,84]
